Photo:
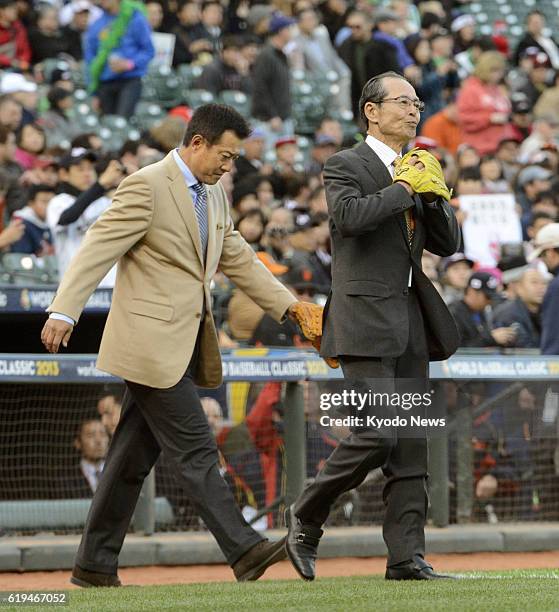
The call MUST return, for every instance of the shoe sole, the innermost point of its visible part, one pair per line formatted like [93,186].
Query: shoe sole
[288,523]
[87,585]
[278,553]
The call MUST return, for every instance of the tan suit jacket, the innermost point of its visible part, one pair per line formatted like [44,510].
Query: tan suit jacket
[161,284]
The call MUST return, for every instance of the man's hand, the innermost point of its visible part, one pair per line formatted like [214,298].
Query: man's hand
[423,173]
[503,335]
[120,65]
[112,176]
[54,332]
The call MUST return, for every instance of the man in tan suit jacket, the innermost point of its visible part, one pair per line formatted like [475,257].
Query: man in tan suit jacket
[169,228]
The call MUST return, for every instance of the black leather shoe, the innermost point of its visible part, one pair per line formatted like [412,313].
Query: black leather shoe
[87,579]
[258,559]
[302,544]
[418,569]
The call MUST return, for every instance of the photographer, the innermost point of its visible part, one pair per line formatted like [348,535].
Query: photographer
[81,199]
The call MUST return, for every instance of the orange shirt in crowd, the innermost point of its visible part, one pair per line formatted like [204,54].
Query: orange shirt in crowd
[446,132]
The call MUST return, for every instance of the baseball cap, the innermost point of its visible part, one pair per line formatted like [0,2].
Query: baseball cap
[75,156]
[546,238]
[279,21]
[456,258]
[323,140]
[383,15]
[257,13]
[302,221]
[12,82]
[520,103]
[299,277]
[462,21]
[483,281]
[533,173]
[537,57]
[285,140]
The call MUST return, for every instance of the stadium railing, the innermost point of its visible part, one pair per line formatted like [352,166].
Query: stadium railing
[44,398]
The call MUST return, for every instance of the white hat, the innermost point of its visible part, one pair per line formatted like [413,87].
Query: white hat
[462,21]
[546,238]
[72,8]
[13,82]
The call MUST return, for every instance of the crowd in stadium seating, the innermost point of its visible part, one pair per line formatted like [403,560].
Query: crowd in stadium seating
[81,106]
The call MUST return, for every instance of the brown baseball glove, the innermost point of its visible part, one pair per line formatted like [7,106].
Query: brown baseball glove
[308,317]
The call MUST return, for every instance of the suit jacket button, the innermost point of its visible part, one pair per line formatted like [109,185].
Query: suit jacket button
[198,315]
[406,291]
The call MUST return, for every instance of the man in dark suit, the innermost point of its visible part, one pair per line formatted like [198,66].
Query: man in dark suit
[383,320]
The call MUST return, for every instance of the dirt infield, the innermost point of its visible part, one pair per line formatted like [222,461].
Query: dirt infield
[344,566]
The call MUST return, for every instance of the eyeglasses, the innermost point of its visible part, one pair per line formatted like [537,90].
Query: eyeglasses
[404,103]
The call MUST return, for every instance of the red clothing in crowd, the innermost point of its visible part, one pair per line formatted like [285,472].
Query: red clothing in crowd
[14,47]
[477,102]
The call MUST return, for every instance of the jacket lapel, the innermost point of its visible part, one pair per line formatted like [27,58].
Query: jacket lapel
[373,165]
[183,200]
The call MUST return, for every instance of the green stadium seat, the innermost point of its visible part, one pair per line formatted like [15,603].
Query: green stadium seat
[198,97]
[146,115]
[24,269]
[237,99]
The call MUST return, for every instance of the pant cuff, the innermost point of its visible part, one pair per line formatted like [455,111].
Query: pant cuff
[241,550]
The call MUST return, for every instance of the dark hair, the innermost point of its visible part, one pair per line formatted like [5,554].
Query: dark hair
[484,43]
[211,120]
[430,19]
[534,12]
[82,141]
[130,146]
[373,91]
[41,188]
[5,132]
[37,128]
[230,41]
[546,195]
[470,173]
[541,215]
[209,3]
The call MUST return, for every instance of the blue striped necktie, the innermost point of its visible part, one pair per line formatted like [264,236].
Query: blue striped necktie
[201,209]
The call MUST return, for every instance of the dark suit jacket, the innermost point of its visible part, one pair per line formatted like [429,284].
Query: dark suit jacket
[367,310]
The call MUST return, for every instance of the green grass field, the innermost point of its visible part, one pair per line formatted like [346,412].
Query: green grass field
[529,591]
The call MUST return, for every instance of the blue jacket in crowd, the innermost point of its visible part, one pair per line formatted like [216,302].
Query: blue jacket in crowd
[135,45]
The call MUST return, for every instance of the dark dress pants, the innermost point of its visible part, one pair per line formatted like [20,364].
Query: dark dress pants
[120,97]
[403,458]
[171,421]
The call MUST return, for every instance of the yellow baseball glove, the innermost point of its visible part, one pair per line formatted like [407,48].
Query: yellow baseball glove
[428,180]
[308,317]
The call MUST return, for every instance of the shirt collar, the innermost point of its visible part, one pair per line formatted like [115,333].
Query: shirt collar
[386,154]
[190,179]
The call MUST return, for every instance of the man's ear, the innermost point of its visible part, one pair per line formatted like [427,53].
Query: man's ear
[371,111]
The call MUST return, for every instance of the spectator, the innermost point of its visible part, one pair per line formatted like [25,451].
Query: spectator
[212,22]
[250,161]
[47,39]
[58,126]
[443,128]
[287,156]
[10,112]
[31,142]
[117,61]
[457,270]
[313,51]
[385,30]
[493,175]
[324,147]
[244,198]
[226,71]
[80,201]
[92,442]
[548,102]
[37,237]
[534,37]
[507,153]
[75,17]
[271,97]
[365,57]
[190,34]
[23,92]
[251,226]
[154,15]
[331,127]
[88,140]
[109,408]
[523,313]
[15,52]
[483,109]
[466,60]
[431,82]
[470,317]
[532,181]
[538,68]
[14,195]
[545,133]
[547,247]
[464,29]
[521,117]
[334,14]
